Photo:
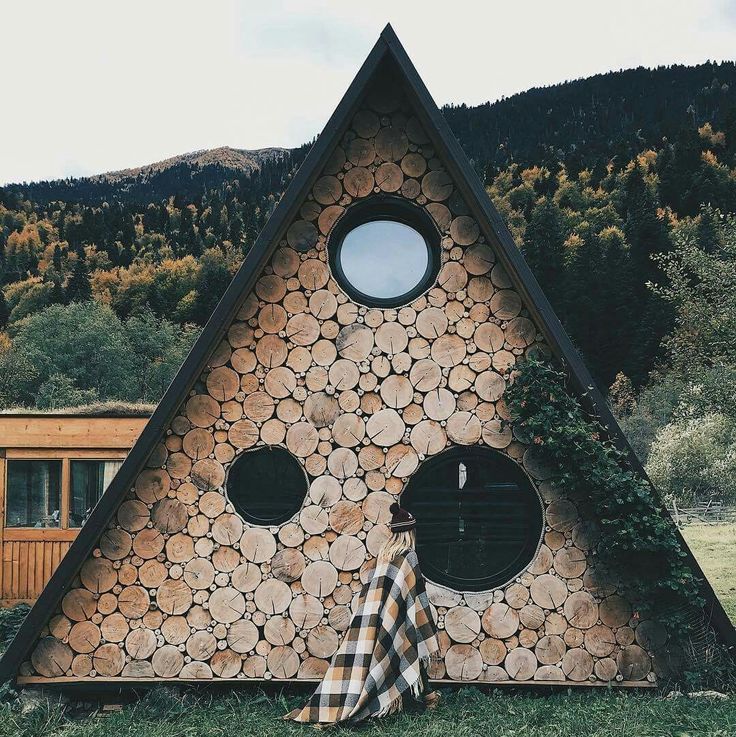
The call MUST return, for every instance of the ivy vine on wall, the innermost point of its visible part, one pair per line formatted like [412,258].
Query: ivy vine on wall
[637,543]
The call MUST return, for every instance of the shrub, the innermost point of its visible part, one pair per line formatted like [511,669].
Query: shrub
[694,459]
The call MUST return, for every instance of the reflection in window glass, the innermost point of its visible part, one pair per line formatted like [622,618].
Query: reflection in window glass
[384,259]
[89,480]
[33,493]
[479,519]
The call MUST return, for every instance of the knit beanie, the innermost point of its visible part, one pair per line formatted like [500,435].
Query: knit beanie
[401,520]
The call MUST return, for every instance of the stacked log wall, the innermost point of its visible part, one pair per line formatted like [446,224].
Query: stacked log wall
[181,587]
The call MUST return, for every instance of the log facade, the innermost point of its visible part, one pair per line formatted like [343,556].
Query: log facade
[179,586]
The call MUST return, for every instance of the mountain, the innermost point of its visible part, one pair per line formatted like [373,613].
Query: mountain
[224,157]
[186,175]
[580,123]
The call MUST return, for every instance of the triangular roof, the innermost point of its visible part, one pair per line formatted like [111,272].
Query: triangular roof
[387,51]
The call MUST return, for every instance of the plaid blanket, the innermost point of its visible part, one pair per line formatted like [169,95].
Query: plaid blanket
[390,635]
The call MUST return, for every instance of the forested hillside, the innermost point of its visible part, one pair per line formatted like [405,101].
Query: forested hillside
[590,121]
[600,180]
[186,177]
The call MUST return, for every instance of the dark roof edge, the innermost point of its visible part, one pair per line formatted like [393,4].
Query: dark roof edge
[528,286]
[195,361]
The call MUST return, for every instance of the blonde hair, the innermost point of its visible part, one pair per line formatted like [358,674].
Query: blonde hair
[399,542]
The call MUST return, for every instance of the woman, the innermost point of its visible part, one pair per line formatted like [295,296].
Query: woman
[381,663]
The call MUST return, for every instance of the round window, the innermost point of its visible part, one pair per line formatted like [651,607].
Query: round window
[267,486]
[479,519]
[384,252]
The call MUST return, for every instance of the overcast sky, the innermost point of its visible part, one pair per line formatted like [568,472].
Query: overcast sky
[96,86]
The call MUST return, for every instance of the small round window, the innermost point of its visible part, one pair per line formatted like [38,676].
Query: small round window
[266,486]
[384,252]
[479,518]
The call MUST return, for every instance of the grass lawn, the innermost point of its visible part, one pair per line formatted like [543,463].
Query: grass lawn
[715,548]
[463,713]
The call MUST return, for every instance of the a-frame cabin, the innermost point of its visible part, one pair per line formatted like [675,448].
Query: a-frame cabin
[359,356]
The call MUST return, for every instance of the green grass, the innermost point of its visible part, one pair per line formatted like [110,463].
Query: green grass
[111,408]
[715,548]
[463,713]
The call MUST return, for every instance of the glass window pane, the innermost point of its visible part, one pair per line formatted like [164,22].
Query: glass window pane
[267,486]
[33,493]
[384,259]
[479,518]
[89,479]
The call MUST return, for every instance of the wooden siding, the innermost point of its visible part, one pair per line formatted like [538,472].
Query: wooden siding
[63,431]
[27,566]
[30,555]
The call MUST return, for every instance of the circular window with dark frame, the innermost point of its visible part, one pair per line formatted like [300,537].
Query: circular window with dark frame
[384,252]
[267,486]
[479,518]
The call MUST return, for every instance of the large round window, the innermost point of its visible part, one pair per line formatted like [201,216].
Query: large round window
[479,519]
[384,252]
[266,486]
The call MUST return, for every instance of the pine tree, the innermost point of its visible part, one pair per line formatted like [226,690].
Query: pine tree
[125,255]
[599,303]
[709,232]
[79,289]
[57,259]
[163,218]
[645,232]
[677,166]
[544,246]
[646,235]
[574,163]
[236,231]
[150,218]
[222,226]
[212,280]
[489,174]
[127,231]
[616,299]
[4,311]
[598,173]
[582,319]
[729,128]
[57,293]
[54,275]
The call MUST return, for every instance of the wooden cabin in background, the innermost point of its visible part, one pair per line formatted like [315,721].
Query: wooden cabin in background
[53,470]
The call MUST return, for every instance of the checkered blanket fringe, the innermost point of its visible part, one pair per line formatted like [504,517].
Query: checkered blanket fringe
[390,638]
